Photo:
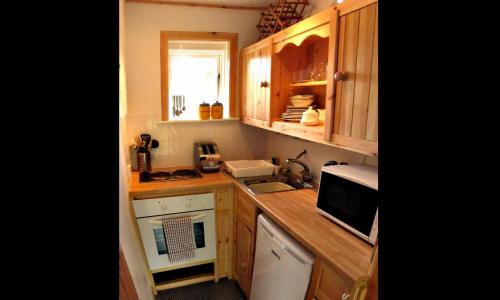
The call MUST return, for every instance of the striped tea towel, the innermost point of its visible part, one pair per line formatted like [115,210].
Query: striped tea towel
[179,237]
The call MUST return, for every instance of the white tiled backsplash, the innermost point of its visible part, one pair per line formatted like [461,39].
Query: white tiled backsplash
[236,141]
[317,154]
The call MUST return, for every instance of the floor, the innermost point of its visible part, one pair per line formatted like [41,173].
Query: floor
[225,289]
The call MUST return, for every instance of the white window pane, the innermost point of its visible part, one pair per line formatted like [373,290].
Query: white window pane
[195,78]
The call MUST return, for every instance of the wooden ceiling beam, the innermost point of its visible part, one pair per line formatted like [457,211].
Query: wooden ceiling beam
[197,4]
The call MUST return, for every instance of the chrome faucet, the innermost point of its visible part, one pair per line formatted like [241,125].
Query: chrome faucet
[306,173]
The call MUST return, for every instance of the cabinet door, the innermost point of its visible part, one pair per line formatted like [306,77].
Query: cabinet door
[331,285]
[224,216]
[243,256]
[356,93]
[255,83]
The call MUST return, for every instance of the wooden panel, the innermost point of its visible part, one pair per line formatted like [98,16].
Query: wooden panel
[261,99]
[372,292]
[331,69]
[127,288]
[233,64]
[267,79]
[367,147]
[352,5]
[246,208]
[198,4]
[338,84]
[321,31]
[315,277]
[242,85]
[349,68]
[185,281]
[363,71]
[164,75]
[224,257]
[243,252]
[299,130]
[254,122]
[372,119]
[332,285]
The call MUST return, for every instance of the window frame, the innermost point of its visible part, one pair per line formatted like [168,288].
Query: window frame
[232,38]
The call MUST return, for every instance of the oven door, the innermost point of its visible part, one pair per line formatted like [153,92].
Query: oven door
[155,247]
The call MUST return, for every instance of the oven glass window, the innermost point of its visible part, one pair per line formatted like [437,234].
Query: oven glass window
[350,202]
[161,246]
[199,238]
[199,234]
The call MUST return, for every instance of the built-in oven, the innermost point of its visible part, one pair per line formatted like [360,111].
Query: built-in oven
[150,213]
[348,195]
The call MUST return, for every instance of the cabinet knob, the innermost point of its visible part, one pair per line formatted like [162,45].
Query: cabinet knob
[339,76]
[345,296]
[264,84]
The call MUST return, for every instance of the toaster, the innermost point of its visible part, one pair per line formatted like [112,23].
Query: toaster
[207,156]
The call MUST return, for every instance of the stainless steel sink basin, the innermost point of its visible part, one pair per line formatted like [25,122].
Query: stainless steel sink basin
[272,184]
[270,187]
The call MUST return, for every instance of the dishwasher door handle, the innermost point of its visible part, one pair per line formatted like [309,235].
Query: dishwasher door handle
[275,254]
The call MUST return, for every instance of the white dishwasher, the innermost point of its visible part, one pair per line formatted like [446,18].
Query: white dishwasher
[282,267]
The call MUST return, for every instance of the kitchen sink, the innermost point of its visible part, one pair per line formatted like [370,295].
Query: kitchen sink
[272,184]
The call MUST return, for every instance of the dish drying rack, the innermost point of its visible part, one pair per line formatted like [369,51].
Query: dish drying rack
[249,168]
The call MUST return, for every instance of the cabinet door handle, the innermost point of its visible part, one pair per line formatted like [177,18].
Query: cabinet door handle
[264,84]
[339,76]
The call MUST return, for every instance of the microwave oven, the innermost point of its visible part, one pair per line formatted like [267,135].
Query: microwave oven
[348,195]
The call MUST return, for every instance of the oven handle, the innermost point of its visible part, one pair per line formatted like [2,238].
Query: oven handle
[192,217]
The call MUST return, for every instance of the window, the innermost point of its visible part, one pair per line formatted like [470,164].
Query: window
[196,68]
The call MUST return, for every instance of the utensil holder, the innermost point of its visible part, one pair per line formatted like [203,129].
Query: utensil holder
[144,161]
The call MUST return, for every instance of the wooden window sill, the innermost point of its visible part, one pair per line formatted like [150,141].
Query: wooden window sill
[198,121]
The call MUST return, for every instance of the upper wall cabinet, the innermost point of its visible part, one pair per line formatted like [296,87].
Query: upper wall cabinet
[332,56]
[356,79]
[255,66]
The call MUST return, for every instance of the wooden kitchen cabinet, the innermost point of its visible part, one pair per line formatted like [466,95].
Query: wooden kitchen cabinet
[356,80]
[245,224]
[297,49]
[255,81]
[345,37]
[224,215]
[327,284]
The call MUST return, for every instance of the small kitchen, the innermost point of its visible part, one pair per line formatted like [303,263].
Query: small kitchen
[248,149]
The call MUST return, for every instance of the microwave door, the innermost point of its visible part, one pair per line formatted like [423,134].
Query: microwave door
[351,203]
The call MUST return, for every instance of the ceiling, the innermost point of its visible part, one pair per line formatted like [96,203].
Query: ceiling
[231,2]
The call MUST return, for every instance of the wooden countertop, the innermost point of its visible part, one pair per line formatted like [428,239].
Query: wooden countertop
[209,180]
[295,211]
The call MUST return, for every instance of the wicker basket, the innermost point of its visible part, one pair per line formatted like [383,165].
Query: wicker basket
[249,168]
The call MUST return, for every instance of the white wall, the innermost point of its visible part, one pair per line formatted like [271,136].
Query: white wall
[316,6]
[285,147]
[143,26]
[128,239]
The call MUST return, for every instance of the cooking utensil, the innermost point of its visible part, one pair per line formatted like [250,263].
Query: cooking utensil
[155,144]
[146,138]
[178,104]
[183,103]
[138,141]
[173,106]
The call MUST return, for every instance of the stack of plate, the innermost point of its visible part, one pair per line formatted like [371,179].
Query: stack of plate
[294,113]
